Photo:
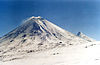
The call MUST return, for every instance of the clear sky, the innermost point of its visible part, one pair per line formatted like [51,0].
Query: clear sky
[72,15]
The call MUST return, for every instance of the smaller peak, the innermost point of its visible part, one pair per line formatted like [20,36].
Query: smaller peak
[85,37]
[79,33]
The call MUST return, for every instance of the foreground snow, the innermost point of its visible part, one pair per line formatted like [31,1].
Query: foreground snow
[84,54]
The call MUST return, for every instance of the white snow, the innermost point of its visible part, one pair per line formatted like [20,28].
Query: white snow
[72,55]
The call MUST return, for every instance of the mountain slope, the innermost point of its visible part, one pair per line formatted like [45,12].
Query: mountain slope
[36,34]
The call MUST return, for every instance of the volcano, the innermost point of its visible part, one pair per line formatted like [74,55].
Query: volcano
[36,34]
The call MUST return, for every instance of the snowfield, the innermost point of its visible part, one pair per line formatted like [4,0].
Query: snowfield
[84,54]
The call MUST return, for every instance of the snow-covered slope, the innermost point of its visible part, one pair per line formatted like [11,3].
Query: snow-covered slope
[84,54]
[83,36]
[35,34]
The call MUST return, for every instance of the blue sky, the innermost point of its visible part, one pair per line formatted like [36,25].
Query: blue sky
[72,15]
